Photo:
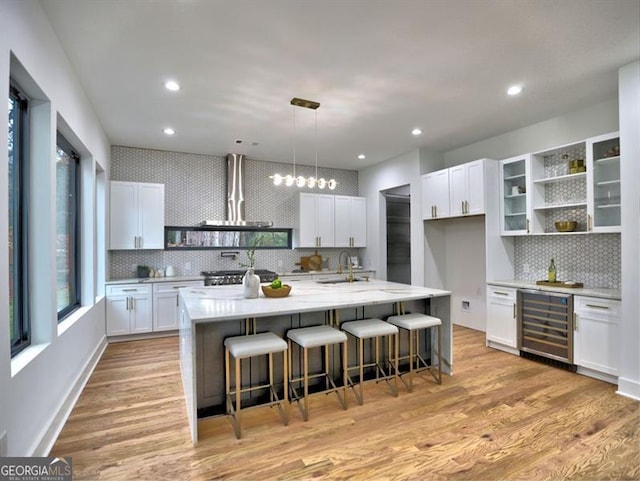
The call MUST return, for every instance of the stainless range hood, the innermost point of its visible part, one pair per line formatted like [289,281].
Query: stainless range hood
[235,197]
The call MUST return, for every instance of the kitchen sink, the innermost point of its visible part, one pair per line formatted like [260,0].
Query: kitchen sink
[340,280]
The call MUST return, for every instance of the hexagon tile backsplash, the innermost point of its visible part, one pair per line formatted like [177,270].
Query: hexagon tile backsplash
[593,259]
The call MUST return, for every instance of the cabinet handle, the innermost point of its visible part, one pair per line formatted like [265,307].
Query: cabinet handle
[515,313]
[141,242]
[501,293]
[130,290]
[466,204]
[178,287]
[575,321]
[589,223]
[527,226]
[596,306]
[319,241]
[435,208]
[462,208]
[177,301]
[135,241]
[128,303]
[133,303]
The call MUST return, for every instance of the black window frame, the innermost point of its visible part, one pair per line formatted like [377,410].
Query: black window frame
[74,209]
[19,210]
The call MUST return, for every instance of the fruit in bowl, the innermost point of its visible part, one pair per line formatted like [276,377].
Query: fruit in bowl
[276,289]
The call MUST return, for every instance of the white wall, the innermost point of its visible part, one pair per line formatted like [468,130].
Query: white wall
[629,95]
[596,119]
[35,399]
[401,170]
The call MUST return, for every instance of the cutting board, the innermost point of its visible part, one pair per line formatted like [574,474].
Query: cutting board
[315,262]
[559,284]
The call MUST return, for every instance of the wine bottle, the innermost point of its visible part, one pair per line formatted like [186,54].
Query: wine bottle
[552,271]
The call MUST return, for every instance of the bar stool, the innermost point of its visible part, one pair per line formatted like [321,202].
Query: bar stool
[307,338]
[242,347]
[374,329]
[413,323]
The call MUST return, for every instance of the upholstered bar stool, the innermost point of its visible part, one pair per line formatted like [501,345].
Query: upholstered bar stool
[307,338]
[414,323]
[243,347]
[374,329]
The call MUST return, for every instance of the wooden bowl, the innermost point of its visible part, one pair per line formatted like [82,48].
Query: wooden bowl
[566,226]
[284,291]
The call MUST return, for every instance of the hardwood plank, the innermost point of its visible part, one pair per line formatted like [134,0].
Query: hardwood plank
[498,417]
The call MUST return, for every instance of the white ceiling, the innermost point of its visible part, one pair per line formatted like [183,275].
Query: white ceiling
[378,69]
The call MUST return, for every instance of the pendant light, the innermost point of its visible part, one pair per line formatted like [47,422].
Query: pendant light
[299,180]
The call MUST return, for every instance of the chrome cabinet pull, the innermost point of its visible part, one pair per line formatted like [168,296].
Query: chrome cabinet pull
[514,310]
[589,226]
[462,206]
[575,321]
[596,306]
[141,242]
[178,287]
[133,303]
[527,226]
[501,293]
[435,208]
[466,204]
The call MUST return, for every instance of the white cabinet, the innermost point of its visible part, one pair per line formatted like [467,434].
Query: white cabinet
[466,189]
[595,335]
[129,309]
[603,183]
[435,195]
[501,318]
[136,215]
[515,206]
[316,221]
[165,304]
[350,221]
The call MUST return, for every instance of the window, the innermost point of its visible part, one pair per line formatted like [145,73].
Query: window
[18,212]
[196,238]
[67,228]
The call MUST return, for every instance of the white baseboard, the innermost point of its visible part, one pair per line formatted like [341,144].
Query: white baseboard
[50,435]
[597,375]
[502,347]
[629,388]
[140,337]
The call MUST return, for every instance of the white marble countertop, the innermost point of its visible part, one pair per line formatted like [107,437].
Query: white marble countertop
[150,280]
[599,292]
[224,303]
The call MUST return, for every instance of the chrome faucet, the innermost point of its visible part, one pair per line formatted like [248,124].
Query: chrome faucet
[349,264]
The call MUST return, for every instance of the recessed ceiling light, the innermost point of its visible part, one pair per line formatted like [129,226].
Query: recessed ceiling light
[416,131]
[515,89]
[362,156]
[172,85]
[169,131]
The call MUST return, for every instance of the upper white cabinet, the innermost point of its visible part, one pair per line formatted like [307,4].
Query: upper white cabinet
[316,221]
[466,189]
[515,208]
[603,183]
[350,221]
[435,195]
[136,215]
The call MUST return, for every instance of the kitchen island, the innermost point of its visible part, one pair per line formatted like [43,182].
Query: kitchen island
[210,314]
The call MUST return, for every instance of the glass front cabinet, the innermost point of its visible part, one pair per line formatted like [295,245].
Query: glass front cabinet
[515,206]
[603,183]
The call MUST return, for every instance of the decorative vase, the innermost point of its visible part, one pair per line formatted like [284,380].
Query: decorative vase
[250,284]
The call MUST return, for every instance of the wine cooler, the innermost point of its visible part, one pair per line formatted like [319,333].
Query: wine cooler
[545,324]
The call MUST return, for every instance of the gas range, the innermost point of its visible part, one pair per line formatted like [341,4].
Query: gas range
[224,278]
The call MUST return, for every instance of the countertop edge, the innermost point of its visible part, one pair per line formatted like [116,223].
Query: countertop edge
[599,292]
[153,280]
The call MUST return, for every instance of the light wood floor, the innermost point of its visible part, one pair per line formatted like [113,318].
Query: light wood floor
[498,417]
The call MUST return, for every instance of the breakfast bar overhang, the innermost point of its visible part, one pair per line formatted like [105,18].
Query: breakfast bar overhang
[210,314]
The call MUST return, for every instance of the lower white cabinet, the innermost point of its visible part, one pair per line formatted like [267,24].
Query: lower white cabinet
[129,309]
[501,318]
[165,304]
[595,337]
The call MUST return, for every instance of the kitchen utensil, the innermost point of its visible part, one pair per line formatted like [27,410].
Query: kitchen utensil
[315,262]
[304,263]
[566,226]
[283,291]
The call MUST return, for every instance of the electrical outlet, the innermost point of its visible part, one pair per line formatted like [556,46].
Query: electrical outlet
[134,267]
[525,268]
[3,444]
[466,306]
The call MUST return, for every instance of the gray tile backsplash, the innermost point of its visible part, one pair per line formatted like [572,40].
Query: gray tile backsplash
[593,259]
[195,190]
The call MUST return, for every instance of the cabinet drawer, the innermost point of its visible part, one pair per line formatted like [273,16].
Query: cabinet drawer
[593,306]
[497,292]
[128,289]
[160,287]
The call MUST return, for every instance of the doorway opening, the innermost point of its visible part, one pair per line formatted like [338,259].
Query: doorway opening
[398,202]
